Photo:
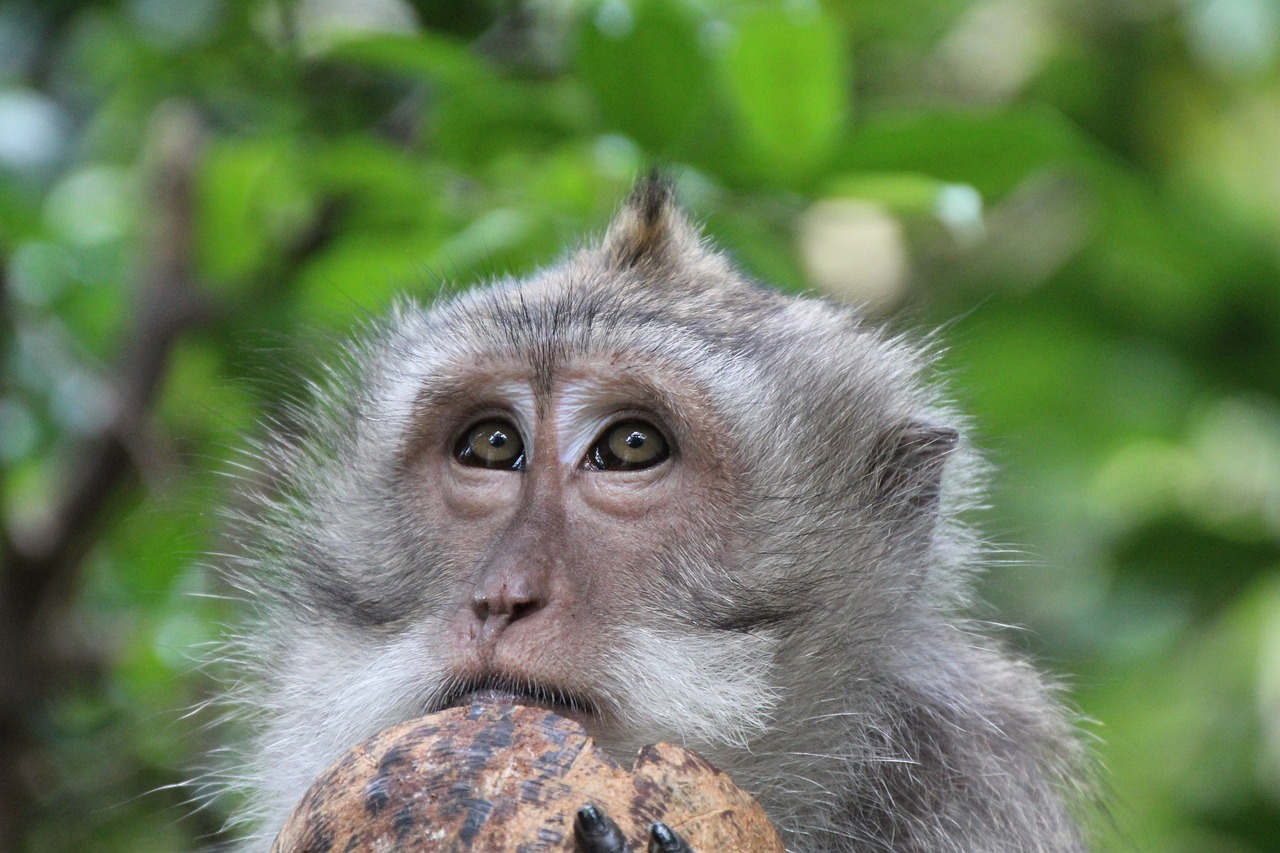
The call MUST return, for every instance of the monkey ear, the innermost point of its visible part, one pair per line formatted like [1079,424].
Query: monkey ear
[651,228]
[907,463]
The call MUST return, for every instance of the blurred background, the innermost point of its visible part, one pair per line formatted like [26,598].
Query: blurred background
[196,196]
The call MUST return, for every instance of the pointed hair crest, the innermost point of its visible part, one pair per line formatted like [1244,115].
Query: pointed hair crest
[650,228]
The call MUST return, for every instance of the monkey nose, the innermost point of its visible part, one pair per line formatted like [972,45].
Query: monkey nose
[499,605]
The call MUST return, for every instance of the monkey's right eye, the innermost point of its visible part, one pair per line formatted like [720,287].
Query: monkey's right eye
[492,444]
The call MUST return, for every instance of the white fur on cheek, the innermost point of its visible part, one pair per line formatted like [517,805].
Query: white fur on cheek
[332,694]
[702,691]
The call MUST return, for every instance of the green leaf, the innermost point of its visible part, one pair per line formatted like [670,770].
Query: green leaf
[993,151]
[957,206]
[379,186]
[479,123]
[644,63]
[907,192]
[360,273]
[786,81]
[251,196]
[423,56]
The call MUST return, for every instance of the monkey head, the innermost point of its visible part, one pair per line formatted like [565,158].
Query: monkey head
[634,487]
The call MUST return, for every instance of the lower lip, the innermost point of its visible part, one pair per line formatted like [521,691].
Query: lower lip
[503,697]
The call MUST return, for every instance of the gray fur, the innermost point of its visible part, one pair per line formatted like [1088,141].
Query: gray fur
[804,630]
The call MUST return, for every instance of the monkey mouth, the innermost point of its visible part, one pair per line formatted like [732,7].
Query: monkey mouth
[503,689]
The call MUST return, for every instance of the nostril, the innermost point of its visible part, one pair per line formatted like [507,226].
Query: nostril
[520,609]
[503,607]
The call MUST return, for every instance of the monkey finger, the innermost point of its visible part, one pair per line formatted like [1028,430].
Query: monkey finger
[595,832]
[663,839]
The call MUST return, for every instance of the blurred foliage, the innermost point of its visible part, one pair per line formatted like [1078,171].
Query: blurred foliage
[1084,193]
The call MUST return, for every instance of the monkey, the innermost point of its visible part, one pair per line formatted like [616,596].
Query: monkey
[675,504]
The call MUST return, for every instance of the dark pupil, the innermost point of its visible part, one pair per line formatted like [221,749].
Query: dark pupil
[489,442]
[635,440]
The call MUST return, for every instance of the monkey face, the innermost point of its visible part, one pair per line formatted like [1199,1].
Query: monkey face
[560,493]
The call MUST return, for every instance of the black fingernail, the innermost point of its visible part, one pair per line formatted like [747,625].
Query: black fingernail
[596,831]
[589,817]
[662,839]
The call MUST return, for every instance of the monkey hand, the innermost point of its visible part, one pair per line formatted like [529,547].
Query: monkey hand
[595,832]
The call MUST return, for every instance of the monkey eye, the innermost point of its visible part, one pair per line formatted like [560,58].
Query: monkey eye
[628,446]
[494,443]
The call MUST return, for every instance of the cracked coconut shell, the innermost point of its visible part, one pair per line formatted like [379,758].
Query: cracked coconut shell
[512,777]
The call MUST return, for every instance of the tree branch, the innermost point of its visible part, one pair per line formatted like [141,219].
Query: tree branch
[40,570]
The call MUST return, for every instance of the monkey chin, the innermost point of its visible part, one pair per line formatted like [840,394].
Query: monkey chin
[498,688]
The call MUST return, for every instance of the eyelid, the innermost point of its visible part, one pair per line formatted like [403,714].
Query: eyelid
[498,410]
[586,407]
[586,428]
[574,445]
[480,400]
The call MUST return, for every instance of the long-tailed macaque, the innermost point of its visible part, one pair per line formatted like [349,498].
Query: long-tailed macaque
[674,504]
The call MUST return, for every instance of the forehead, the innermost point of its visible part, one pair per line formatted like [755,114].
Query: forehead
[501,346]
[539,329]
[584,382]
[705,344]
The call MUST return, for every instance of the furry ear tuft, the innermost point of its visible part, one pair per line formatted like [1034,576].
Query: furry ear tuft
[908,463]
[650,228]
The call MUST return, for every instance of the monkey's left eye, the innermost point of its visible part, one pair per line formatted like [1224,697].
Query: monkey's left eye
[492,444]
[628,446]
